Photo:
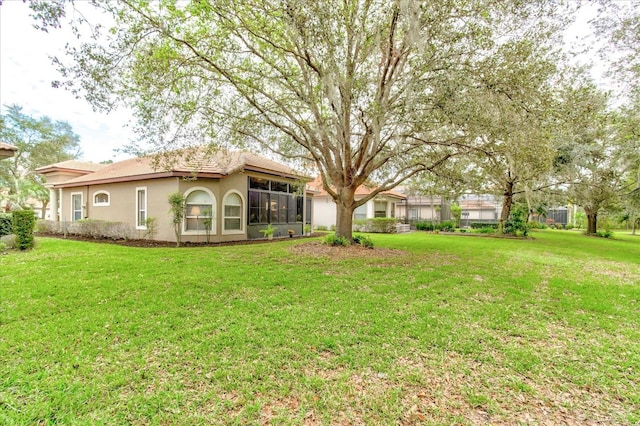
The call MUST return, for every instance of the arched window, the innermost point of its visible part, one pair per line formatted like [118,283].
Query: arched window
[101,198]
[200,207]
[233,208]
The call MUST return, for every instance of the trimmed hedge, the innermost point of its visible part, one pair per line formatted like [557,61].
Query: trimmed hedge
[385,225]
[480,225]
[6,225]
[24,222]
[88,228]
[445,226]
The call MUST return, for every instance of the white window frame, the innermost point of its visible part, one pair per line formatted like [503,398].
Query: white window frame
[214,207]
[73,216]
[107,204]
[243,209]
[146,207]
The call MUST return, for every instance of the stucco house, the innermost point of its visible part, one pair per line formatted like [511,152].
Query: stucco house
[424,208]
[230,196]
[7,150]
[480,208]
[325,209]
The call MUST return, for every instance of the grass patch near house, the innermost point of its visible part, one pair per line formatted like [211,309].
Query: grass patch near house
[425,328]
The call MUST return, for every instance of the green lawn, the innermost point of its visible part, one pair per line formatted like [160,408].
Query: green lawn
[443,329]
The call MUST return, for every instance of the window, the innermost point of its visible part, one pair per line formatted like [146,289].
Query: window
[233,212]
[76,206]
[360,212]
[199,211]
[141,208]
[258,183]
[101,198]
[380,209]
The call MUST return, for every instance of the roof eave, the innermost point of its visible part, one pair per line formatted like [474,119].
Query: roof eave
[136,178]
[275,172]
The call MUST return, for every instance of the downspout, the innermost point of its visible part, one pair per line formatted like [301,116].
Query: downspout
[86,203]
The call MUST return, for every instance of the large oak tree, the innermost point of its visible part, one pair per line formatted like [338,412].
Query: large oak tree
[355,88]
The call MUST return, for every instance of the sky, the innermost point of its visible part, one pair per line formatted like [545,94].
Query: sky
[26,73]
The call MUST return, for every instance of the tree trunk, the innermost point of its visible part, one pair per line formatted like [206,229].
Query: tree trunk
[634,220]
[507,202]
[592,220]
[344,213]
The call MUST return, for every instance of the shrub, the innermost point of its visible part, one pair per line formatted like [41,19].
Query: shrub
[604,234]
[446,226]
[151,225]
[88,228]
[177,209]
[486,230]
[5,224]
[332,240]
[24,222]
[321,228]
[385,225]
[9,241]
[424,226]
[517,223]
[363,240]
[480,225]
[3,247]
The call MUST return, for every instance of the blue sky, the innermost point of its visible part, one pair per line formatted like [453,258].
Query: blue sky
[26,73]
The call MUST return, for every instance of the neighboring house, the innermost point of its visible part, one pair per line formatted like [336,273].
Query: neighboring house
[325,210]
[423,208]
[7,150]
[230,196]
[479,208]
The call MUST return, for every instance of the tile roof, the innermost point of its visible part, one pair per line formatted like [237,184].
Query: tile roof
[316,185]
[188,162]
[8,147]
[7,150]
[75,165]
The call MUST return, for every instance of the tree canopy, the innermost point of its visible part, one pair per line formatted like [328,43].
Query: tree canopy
[40,141]
[361,90]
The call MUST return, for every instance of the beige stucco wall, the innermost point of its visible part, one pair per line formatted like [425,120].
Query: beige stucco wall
[122,204]
[219,188]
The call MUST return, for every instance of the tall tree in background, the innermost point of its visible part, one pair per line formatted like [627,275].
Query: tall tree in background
[512,112]
[355,88]
[40,141]
[593,162]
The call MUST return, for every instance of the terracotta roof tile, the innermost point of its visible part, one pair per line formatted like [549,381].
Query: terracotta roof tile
[8,147]
[316,185]
[181,163]
[83,166]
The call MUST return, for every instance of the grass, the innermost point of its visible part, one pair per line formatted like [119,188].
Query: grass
[444,329]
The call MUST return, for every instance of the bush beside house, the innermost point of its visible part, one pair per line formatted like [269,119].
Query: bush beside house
[24,222]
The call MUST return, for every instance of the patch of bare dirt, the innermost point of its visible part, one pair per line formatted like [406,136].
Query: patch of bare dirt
[354,251]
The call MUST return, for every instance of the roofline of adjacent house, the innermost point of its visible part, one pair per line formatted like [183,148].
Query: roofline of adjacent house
[49,169]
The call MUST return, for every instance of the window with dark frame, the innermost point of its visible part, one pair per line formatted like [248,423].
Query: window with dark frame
[273,202]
